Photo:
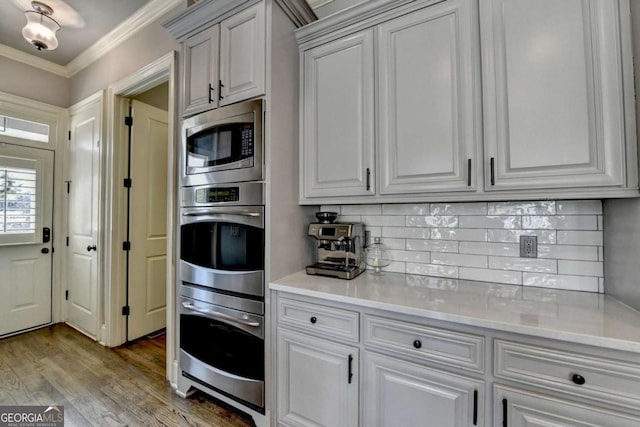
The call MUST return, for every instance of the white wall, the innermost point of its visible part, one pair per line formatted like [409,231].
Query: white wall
[622,219]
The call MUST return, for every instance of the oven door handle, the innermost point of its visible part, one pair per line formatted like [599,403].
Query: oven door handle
[218,212]
[219,316]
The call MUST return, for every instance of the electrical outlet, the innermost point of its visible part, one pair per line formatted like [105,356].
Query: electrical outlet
[528,246]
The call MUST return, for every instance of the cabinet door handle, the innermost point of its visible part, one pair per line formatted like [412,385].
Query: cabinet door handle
[313,319]
[469,172]
[475,407]
[578,379]
[220,86]
[211,89]
[504,413]
[368,179]
[417,344]
[493,171]
[350,375]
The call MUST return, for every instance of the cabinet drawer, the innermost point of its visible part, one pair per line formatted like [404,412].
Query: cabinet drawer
[603,379]
[425,343]
[318,319]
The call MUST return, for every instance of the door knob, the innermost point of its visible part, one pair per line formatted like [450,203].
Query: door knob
[92,248]
[44,250]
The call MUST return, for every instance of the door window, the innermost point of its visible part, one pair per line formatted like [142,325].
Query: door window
[19,219]
[25,129]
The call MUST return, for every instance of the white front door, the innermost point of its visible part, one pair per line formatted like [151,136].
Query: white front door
[148,220]
[83,204]
[26,209]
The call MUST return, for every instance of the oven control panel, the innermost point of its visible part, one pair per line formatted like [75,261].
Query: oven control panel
[217,194]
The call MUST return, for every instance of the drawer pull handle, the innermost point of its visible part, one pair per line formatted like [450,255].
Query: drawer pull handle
[578,379]
[313,319]
[350,373]
[417,344]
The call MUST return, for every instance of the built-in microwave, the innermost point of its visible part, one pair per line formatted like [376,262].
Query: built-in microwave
[223,145]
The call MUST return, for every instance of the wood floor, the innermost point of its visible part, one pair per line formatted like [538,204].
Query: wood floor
[98,386]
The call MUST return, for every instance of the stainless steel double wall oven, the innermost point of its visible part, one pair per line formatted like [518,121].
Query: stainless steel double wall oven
[222,241]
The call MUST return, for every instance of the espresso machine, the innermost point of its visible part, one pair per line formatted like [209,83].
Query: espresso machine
[340,247]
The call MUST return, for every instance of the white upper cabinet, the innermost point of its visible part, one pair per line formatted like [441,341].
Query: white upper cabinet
[338,117]
[242,55]
[554,108]
[427,74]
[200,65]
[225,63]
[472,100]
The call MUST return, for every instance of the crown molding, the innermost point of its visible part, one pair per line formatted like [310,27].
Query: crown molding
[143,17]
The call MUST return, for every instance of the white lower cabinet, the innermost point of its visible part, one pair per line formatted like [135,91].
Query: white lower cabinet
[398,393]
[317,381]
[518,408]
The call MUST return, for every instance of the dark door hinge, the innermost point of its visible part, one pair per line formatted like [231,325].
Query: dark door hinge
[67,240]
[128,121]
[126,310]
[68,186]
[127,183]
[69,135]
[66,295]
[126,246]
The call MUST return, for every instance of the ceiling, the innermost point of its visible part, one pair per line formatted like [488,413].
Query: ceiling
[97,17]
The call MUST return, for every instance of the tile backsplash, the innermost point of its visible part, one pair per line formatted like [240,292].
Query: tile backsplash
[480,241]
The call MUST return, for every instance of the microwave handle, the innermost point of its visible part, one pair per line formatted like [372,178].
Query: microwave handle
[219,316]
[214,212]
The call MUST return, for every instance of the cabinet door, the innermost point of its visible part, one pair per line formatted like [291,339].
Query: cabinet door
[552,79]
[526,409]
[200,67]
[242,55]
[398,393]
[317,382]
[338,118]
[429,106]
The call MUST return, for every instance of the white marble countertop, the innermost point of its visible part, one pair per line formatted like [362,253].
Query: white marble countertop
[578,317]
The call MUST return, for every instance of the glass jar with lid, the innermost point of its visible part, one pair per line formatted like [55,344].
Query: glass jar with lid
[377,256]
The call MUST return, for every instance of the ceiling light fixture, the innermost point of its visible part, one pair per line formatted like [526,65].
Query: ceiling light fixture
[41,28]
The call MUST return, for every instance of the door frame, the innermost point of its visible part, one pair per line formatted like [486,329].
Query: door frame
[117,106]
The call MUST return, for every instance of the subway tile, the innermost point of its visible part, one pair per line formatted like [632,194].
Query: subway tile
[600,222]
[600,253]
[383,220]
[590,238]
[560,222]
[579,207]
[572,283]
[482,248]
[572,252]
[395,244]
[406,209]
[361,210]
[513,236]
[490,222]
[410,256]
[494,276]
[432,221]
[433,270]
[351,218]
[461,260]
[396,267]
[580,268]
[458,209]
[466,234]
[406,232]
[522,208]
[601,285]
[523,264]
[432,245]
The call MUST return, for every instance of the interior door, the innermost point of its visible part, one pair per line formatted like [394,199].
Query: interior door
[83,206]
[148,220]
[26,208]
